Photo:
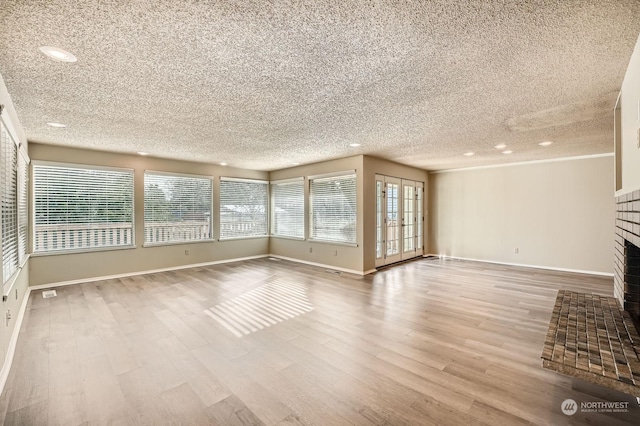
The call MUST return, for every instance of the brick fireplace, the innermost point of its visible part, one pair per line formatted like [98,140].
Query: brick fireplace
[627,254]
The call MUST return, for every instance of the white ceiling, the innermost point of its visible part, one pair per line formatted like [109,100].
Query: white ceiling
[261,84]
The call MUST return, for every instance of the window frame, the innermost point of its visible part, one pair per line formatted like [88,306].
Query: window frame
[41,163]
[211,180]
[220,205]
[273,217]
[315,239]
[17,263]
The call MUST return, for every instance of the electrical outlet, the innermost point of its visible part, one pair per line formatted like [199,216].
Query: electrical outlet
[186,252]
[8,317]
[310,249]
[335,253]
[516,250]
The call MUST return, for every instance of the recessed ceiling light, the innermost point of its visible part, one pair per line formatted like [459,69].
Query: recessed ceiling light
[501,146]
[295,164]
[354,145]
[143,153]
[507,152]
[545,143]
[223,164]
[56,125]
[58,54]
[468,154]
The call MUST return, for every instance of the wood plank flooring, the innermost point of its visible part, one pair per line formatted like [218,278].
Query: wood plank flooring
[426,342]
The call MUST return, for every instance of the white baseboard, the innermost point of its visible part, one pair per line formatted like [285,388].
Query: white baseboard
[322,265]
[150,271]
[551,268]
[11,347]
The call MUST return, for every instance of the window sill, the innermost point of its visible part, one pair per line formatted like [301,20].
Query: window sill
[334,243]
[79,251]
[250,237]
[177,243]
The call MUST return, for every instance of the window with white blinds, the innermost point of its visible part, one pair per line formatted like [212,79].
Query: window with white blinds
[82,208]
[176,208]
[243,208]
[287,209]
[333,208]
[9,171]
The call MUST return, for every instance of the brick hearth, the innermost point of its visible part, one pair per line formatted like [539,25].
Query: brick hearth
[592,338]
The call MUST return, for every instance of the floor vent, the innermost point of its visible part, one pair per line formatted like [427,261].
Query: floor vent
[49,293]
[332,271]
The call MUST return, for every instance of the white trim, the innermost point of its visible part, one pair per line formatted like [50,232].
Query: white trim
[150,271]
[13,341]
[322,265]
[370,271]
[60,164]
[58,252]
[233,179]
[175,243]
[524,163]
[332,242]
[285,181]
[333,174]
[177,174]
[551,268]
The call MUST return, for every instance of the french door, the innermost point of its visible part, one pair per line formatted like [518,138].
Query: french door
[399,219]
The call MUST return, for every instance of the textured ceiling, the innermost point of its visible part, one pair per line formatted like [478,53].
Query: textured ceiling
[261,84]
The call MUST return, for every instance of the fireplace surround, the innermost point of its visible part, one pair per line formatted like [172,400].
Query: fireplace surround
[627,254]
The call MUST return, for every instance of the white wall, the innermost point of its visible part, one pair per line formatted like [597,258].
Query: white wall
[630,109]
[558,214]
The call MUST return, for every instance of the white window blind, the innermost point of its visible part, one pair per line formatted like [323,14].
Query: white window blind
[243,208]
[287,209]
[9,171]
[78,208]
[176,208]
[23,207]
[333,208]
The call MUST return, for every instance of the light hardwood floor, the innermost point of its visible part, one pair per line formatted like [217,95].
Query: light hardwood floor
[425,342]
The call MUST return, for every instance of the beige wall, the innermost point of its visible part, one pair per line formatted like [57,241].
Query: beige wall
[630,109]
[334,255]
[558,214]
[16,296]
[373,166]
[46,269]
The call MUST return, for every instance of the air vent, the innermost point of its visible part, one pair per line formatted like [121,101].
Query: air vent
[331,271]
[49,293]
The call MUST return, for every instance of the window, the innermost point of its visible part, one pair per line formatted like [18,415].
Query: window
[176,208]
[9,172]
[287,211]
[333,208]
[23,207]
[243,208]
[80,208]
